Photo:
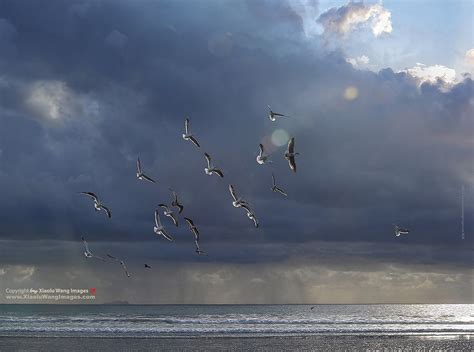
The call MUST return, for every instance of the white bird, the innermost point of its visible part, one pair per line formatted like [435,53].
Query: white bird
[97,204]
[160,229]
[175,202]
[401,231]
[275,188]
[195,232]
[237,201]
[210,169]
[251,216]
[169,213]
[88,253]
[188,136]
[272,114]
[261,158]
[290,154]
[121,263]
[140,174]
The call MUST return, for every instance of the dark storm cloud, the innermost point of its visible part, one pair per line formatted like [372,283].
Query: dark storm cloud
[89,86]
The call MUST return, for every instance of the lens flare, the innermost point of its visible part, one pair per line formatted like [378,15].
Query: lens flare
[280,137]
[351,93]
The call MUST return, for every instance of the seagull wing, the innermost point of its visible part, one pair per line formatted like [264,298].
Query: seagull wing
[195,141]
[148,178]
[208,159]
[291,145]
[139,166]
[196,233]
[92,195]
[167,236]
[173,217]
[86,246]
[218,172]
[279,190]
[175,198]
[157,219]
[107,210]
[189,221]
[273,179]
[255,221]
[292,163]
[125,268]
[164,206]
[260,146]
[96,256]
[186,126]
[246,207]
[232,192]
[180,207]
[112,257]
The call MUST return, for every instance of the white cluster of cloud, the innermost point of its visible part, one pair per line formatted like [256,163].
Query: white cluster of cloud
[432,74]
[469,57]
[54,100]
[352,16]
[358,61]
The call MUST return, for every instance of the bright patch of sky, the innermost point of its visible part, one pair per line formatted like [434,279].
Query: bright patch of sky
[430,32]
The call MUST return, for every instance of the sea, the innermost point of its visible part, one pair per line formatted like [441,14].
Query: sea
[168,321]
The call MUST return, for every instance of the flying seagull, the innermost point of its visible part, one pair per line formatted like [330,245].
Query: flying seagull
[169,213]
[175,202]
[140,174]
[210,169]
[237,201]
[251,216]
[188,136]
[160,229]
[290,154]
[97,204]
[87,252]
[195,232]
[121,263]
[261,158]
[272,114]
[147,266]
[275,188]
[400,231]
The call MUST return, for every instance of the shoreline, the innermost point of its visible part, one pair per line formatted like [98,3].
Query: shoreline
[428,336]
[230,343]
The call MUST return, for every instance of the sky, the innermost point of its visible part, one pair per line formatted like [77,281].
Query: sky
[380,98]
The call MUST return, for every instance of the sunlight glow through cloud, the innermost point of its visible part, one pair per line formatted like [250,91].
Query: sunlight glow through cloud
[351,93]
[280,137]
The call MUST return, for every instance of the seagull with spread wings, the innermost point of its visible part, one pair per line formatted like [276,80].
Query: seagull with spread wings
[261,157]
[87,252]
[401,231]
[175,202]
[187,136]
[141,175]
[169,213]
[290,154]
[237,201]
[124,267]
[159,229]
[272,115]
[195,232]
[277,189]
[97,204]
[210,169]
